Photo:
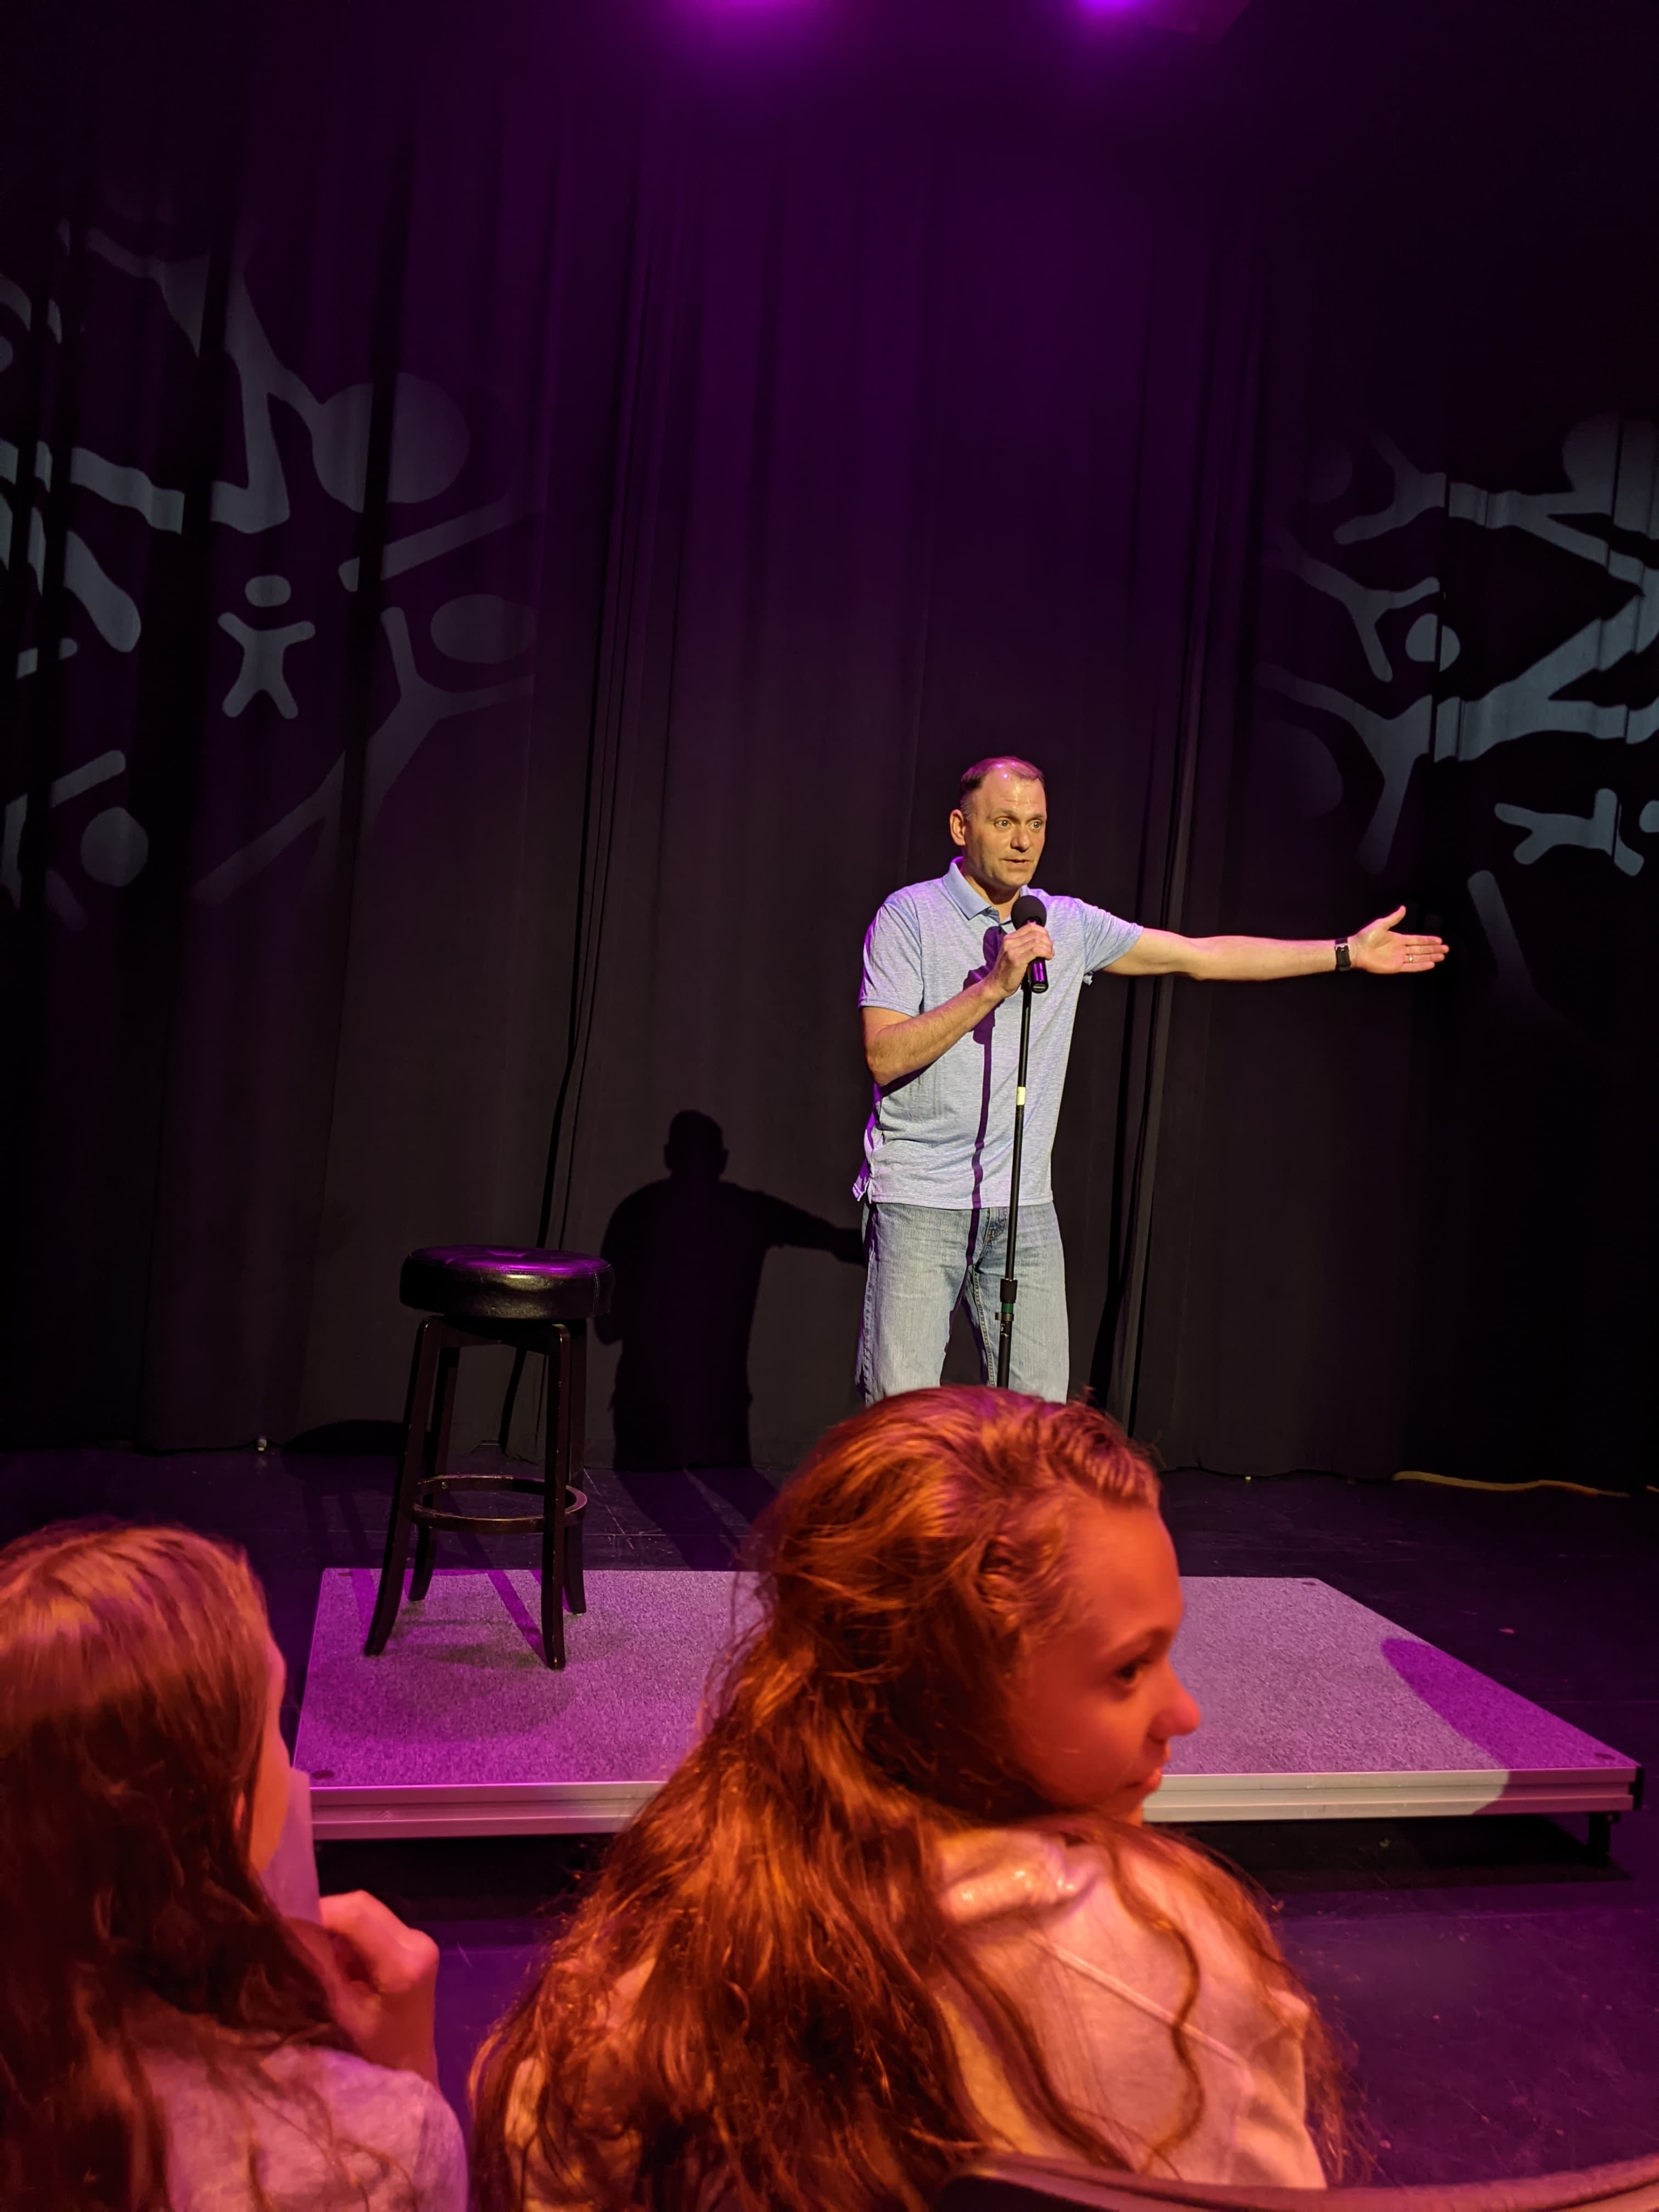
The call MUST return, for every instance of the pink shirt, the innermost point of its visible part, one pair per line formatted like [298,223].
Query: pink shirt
[1102,1991]
[322,2131]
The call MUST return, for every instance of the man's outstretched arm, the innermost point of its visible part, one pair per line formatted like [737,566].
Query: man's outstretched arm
[1380,949]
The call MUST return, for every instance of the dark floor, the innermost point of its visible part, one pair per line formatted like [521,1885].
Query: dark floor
[1500,1991]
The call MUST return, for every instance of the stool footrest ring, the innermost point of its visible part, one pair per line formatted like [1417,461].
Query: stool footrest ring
[434,1516]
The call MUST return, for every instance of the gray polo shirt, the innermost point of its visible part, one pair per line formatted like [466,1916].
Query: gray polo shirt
[945,1136]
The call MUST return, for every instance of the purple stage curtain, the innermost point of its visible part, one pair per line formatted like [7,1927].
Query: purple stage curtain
[534,513]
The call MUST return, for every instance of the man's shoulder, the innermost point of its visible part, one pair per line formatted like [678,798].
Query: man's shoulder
[928,892]
[1063,907]
[1106,935]
[912,910]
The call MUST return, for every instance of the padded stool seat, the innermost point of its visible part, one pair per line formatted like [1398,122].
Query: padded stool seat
[535,1301]
[492,1282]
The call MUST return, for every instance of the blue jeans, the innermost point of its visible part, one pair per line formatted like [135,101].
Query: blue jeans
[918,1262]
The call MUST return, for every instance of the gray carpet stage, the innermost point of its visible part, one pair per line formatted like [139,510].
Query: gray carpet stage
[1314,1708]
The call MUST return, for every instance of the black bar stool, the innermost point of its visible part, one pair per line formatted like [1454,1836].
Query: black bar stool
[485,1294]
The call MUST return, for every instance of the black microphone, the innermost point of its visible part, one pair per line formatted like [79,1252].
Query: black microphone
[1027,909]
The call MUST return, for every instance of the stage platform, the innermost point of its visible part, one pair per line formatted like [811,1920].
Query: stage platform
[1315,1708]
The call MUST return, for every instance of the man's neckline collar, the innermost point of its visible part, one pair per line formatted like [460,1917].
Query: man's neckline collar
[970,902]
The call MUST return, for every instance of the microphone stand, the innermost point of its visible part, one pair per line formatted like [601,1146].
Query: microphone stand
[1010,1285]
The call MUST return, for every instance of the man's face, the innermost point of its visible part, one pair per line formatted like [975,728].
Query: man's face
[1000,829]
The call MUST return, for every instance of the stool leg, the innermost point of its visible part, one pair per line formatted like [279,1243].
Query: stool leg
[556,1466]
[420,1580]
[575,1595]
[423,1383]
[426,1543]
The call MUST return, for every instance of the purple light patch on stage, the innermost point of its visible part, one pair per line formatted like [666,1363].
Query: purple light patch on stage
[461,1696]
[1294,1678]
[1512,1732]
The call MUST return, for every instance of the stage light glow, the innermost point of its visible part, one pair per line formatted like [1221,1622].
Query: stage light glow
[1200,19]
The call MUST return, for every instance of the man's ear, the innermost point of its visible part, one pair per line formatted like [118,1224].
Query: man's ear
[958,826]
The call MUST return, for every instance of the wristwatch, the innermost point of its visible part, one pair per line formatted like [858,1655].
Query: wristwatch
[1343,958]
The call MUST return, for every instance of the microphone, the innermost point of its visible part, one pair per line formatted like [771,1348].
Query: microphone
[1027,909]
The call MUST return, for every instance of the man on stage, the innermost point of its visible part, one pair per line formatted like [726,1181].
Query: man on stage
[943,969]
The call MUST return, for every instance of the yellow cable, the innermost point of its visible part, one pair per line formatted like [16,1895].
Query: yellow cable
[1543,1482]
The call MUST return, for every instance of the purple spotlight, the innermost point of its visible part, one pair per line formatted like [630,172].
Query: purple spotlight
[1199,19]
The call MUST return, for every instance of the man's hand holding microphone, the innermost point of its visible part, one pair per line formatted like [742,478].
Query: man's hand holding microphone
[1026,947]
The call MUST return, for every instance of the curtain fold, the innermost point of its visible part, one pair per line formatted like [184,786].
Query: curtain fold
[1202,692]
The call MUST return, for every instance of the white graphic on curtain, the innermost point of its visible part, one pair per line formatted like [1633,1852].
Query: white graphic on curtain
[1610,499]
[429,448]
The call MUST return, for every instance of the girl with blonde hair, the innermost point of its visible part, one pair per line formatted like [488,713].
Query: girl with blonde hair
[897,1908]
[169,2043]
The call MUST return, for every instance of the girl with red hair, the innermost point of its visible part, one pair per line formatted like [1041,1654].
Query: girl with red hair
[897,1908]
[167,2042]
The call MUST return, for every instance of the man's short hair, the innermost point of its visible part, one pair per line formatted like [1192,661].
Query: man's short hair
[973,777]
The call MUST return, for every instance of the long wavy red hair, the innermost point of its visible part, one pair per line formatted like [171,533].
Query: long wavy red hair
[747,2006]
[134,1680]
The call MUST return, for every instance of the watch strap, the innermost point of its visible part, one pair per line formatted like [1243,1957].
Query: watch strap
[1344,956]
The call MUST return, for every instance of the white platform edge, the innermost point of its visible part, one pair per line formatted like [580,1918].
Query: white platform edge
[590,1808]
